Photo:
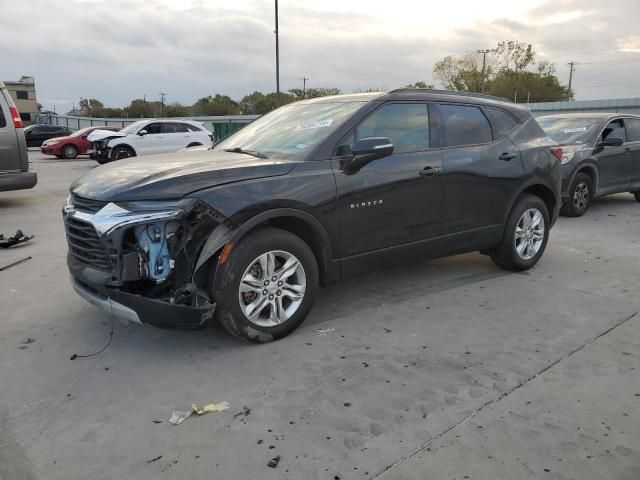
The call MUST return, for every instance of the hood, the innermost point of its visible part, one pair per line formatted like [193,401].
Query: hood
[52,140]
[102,134]
[173,175]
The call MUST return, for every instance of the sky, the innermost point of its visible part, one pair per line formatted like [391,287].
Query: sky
[118,50]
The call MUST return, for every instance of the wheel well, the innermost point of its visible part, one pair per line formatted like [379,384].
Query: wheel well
[545,194]
[591,171]
[194,144]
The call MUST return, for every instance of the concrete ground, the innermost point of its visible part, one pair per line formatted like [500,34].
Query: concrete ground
[450,369]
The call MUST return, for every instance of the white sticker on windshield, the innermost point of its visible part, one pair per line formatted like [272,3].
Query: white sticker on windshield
[575,130]
[312,125]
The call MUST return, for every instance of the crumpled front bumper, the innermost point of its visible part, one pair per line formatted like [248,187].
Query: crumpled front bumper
[131,308]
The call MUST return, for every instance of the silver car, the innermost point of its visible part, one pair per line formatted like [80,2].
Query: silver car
[14,163]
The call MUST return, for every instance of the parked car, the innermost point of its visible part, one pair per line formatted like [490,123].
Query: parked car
[37,134]
[146,137]
[313,193]
[72,145]
[14,162]
[601,156]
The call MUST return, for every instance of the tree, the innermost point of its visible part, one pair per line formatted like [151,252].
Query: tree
[510,71]
[314,92]
[90,107]
[216,105]
[419,84]
[257,103]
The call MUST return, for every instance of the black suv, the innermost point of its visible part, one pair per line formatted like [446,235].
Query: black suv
[310,194]
[601,156]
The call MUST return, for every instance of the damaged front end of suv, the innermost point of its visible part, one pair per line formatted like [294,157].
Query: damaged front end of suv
[136,259]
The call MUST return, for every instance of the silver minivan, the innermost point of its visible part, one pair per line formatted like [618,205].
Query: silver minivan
[14,163]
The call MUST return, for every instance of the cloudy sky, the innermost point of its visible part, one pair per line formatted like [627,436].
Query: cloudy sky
[116,50]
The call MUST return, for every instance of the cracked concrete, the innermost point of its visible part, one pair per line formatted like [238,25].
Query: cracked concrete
[445,369]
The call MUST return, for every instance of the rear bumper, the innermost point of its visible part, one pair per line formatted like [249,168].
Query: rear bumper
[17,180]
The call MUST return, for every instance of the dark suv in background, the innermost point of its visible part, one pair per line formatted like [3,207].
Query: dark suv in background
[601,156]
[310,194]
[14,163]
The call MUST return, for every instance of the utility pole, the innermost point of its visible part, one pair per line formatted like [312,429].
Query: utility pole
[162,95]
[277,59]
[304,86]
[484,52]
[572,67]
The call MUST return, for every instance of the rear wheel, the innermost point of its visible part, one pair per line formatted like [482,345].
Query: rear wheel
[122,152]
[637,195]
[580,195]
[69,152]
[268,286]
[525,236]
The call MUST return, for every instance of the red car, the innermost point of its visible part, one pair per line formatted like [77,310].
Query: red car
[72,145]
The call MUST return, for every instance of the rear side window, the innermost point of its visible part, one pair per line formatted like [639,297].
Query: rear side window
[406,124]
[174,128]
[503,123]
[465,125]
[3,120]
[633,129]
[192,128]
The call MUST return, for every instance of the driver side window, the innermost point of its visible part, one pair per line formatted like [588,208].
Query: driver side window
[614,128]
[406,124]
[152,128]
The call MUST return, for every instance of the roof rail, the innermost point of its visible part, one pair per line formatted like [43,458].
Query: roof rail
[449,92]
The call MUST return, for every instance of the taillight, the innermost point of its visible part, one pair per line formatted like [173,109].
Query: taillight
[17,121]
[557,152]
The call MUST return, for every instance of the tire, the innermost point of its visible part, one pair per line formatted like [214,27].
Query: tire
[637,195]
[69,152]
[121,152]
[234,307]
[510,254]
[580,196]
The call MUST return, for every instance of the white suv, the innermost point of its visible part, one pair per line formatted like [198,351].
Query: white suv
[148,137]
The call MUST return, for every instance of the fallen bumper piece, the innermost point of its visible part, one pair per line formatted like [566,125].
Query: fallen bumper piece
[19,237]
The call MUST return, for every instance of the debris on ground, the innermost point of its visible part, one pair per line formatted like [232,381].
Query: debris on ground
[245,411]
[178,417]
[273,463]
[155,459]
[211,408]
[19,237]
[324,331]
[7,267]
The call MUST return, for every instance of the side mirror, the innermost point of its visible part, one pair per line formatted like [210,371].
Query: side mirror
[142,133]
[612,142]
[366,150]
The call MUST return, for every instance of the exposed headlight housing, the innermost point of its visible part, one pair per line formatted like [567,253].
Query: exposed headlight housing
[567,156]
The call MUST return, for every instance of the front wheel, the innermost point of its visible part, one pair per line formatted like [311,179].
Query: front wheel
[525,236]
[267,286]
[120,153]
[69,152]
[580,195]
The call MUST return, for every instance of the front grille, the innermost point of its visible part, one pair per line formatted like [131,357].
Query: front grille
[86,204]
[84,244]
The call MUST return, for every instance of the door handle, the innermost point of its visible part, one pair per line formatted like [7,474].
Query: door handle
[506,156]
[429,171]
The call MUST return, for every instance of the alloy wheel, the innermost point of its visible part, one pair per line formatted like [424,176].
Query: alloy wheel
[529,234]
[69,152]
[581,196]
[272,288]
[122,154]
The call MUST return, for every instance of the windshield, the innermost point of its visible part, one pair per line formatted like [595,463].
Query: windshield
[570,131]
[80,132]
[291,131]
[134,127]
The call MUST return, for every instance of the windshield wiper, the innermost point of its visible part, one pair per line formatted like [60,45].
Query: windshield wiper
[253,153]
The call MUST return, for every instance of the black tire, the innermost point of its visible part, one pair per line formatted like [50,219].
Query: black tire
[121,152]
[69,152]
[227,295]
[506,255]
[194,144]
[637,195]
[580,196]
